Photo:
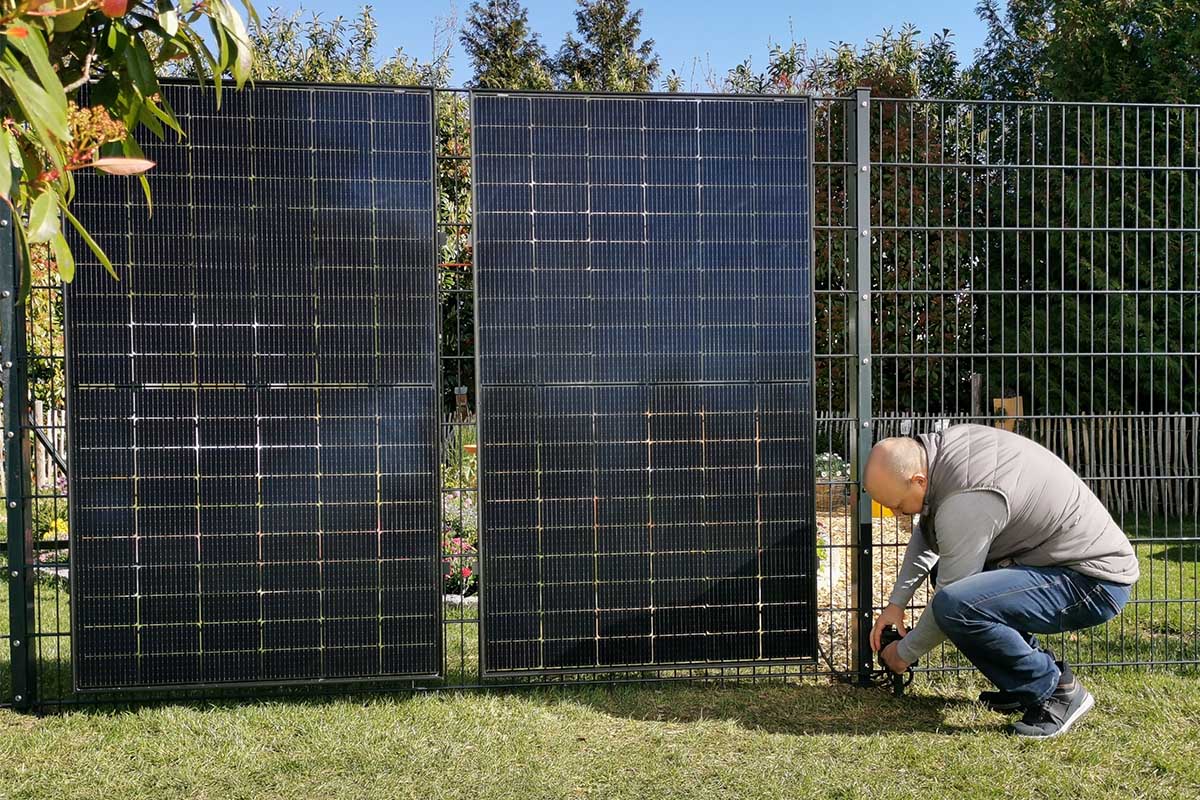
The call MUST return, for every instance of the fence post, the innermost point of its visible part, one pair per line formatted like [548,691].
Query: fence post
[16,464]
[859,207]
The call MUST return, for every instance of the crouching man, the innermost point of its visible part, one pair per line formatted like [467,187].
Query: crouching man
[1022,547]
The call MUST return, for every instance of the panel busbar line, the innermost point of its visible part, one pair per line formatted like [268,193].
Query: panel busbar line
[253,405]
[646,363]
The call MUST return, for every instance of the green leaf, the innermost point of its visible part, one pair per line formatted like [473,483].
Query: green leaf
[133,150]
[118,39]
[43,217]
[6,167]
[47,116]
[167,119]
[33,47]
[167,18]
[148,119]
[90,242]
[63,257]
[26,262]
[240,44]
[63,23]
[141,69]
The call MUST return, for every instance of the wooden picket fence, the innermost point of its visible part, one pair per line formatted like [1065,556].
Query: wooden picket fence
[1135,464]
[53,425]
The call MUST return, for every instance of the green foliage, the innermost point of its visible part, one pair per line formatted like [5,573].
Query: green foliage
[288,48]
[786,72]
[48,50]
[461,469]
[606,53]
[1091,50]
[1102,51]
[832,467]
[609,54]
[504,53]
[455,277]
[890,64]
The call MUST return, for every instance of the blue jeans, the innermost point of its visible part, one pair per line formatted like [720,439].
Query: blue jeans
[990,615]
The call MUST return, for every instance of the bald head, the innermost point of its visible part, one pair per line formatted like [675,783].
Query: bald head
[896,474]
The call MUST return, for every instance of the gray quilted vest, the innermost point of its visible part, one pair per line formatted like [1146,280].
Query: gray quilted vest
[1054,519]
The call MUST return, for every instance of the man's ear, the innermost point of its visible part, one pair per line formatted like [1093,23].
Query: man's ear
[920,480]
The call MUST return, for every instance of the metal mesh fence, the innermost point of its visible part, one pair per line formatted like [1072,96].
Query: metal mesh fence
[1034,266]
[1030,265]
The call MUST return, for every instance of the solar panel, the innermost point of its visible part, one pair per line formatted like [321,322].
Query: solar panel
[253,405]
[646,362]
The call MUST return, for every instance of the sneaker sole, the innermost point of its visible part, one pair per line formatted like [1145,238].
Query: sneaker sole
[1084,707]
[1003,708]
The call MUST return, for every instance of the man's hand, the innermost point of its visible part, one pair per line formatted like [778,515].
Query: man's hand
[892,615]
[892,658]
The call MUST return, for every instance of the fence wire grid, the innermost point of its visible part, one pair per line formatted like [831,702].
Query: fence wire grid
[1031,265]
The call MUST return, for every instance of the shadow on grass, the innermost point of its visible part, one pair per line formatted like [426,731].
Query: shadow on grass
[809,709]
[1179,553]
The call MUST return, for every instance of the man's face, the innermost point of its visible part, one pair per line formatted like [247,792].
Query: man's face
[888,489]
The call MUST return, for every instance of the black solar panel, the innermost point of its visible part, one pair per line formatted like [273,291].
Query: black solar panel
[253,406]
[645,353]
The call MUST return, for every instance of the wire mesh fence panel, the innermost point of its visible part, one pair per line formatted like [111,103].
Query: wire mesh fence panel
[1035,267]
[1028,265]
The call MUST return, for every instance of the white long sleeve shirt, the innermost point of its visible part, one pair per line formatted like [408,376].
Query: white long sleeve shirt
[966,525]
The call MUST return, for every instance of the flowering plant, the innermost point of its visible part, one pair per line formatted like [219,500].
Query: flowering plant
[459,563]
[832,467]
[460,514]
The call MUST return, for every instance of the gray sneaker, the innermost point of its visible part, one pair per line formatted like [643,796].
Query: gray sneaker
[1007,702]
[1003,702]
[1057,714]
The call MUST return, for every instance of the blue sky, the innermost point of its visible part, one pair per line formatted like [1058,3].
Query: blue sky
[720,32]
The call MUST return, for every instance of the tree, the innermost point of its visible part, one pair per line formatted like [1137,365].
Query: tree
[504,53]
[49,50]
[337,51]
[608,56]
[1091,50]
[1084,50]
[1011,64]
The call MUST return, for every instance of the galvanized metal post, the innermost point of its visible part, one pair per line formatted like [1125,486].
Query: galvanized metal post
[859,202]
[16,463]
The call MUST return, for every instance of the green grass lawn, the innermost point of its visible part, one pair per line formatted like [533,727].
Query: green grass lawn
[765,740]
[775,740]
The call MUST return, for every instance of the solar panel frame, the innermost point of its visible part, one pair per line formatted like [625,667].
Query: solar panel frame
[810,600]
[434,655]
